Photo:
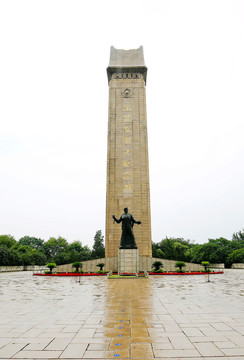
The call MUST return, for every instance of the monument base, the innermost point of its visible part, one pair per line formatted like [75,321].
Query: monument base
[128,261]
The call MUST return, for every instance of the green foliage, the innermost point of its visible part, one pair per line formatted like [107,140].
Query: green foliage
[215,251]
[19,254]
[34,251]
[206,265]
[54,247]
[8,257]
[77,265]
[98,250]
[157,266]
[238,236]
[7,240]
[180,265]
[100,265]
[173,249]
[236,256]
[77,252]
[51,266]
[35,243]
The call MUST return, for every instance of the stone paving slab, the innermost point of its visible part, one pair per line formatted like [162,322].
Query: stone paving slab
[160,318]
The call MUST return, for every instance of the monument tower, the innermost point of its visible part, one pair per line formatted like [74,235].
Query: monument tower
[127,158]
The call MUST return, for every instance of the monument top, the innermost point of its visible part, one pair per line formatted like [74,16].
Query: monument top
[126,61]
[121,58]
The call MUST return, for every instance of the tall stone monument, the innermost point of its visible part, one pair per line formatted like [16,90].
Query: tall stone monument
[127,159]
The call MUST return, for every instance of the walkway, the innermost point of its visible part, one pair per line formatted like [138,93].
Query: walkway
[167,317]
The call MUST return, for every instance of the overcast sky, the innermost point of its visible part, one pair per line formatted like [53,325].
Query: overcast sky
[54,114]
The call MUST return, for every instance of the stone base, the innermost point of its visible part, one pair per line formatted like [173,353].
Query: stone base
[128,261]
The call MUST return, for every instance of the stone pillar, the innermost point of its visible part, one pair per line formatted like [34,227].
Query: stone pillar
[127,159]
[128,261]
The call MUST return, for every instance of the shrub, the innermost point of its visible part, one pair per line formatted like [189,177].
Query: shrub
[79,272]
[180,265]
[157,266]
[206,265]
[51,266]
[100,265]
[77,265]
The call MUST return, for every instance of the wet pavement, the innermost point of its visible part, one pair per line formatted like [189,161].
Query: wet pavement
[162,317]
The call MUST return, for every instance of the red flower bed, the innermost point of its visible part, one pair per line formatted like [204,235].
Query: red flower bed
[186,273]
[131,274]
[69,274]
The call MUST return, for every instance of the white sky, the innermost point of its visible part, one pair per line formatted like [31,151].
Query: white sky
[54,113]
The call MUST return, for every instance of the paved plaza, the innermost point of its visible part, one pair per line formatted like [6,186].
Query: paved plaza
[162,317]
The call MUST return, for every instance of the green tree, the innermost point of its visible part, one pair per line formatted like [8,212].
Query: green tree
[51,266]
[160,254]
[215,251]
[157,266]
[7,240]
[173,249]
[54,247]
[155,248]
[5,256]
[236,256]
[77,265]
[77,252]
[86,253]
[38,257]
[206,265]
[100,265]
[180,250]
[33,242]
[28,255]
[98,250]
[239,236]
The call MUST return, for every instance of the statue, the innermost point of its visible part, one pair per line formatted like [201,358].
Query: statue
[127,240]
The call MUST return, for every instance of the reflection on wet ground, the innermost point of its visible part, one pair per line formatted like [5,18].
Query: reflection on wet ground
[162,317]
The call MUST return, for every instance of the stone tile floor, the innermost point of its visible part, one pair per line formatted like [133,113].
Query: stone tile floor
[162,317]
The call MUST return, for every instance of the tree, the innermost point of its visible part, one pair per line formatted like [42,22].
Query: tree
[173,249]
[33,242]
[25,254]
[157,265]
[206,265]
[98,250]
[86,253]
[238,236]
[100,265]
[7,240]
[77,265]
[76,246]
[160,254]
[38,257]
[77,252]
[51,266]
[4,255]
[54,247]
[180,250]
[237,256]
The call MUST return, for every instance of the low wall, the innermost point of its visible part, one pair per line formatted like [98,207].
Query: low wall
[237,266]
[111,264]
[217,266]
[22,268]
[168,265]
[90,265]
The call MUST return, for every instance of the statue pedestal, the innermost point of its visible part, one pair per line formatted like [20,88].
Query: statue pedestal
[128,261]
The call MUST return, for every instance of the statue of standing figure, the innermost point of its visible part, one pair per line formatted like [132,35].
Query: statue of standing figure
[127,240]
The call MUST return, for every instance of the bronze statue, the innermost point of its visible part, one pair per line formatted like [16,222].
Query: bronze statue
[127,240]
